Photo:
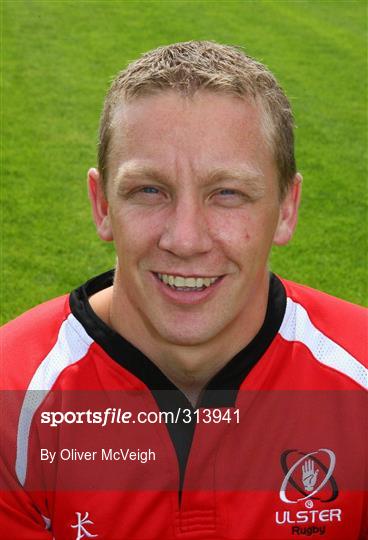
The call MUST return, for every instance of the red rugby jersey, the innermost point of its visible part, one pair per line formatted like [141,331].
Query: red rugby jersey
[276,449]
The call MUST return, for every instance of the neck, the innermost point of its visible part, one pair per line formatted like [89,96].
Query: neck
[190,368]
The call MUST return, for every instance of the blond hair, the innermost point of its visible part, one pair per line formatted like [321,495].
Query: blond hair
[194,65]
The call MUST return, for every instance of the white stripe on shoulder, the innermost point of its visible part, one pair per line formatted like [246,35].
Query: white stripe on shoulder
[297,326]
[71,346]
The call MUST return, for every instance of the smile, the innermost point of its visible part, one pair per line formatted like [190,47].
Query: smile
[181,283]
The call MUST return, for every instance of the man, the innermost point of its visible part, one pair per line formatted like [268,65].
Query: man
[257,379]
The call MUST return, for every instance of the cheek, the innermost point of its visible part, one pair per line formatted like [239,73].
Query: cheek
[231,228]
[135,230]
[244,233]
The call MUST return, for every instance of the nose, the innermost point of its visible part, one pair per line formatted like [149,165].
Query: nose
[186,233]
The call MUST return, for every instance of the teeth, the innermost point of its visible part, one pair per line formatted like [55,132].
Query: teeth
[187,282]
[180,281]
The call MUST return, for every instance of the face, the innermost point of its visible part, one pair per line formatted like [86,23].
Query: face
[193,208]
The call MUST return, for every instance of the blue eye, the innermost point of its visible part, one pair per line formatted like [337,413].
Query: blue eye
[150,189]
[229,197]
[227,192]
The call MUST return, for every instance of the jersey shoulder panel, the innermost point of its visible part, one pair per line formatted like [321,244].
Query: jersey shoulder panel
[27,340]
[334,331]
[341,321]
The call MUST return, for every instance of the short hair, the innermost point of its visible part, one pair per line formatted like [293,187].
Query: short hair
[205,65]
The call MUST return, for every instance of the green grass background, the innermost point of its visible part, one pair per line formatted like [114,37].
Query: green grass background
[58,58]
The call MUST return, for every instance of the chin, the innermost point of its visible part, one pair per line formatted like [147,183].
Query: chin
[186,337]
[186,341]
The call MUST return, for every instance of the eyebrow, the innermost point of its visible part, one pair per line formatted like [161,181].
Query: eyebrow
[243,174]
[135,171]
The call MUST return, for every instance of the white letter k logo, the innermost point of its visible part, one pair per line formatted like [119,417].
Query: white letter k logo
[80,526]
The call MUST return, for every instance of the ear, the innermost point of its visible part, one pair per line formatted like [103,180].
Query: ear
[100,207]
[289,212]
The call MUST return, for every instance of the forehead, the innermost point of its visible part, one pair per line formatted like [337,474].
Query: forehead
[207,130]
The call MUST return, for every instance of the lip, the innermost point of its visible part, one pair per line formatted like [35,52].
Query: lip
[186,297]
